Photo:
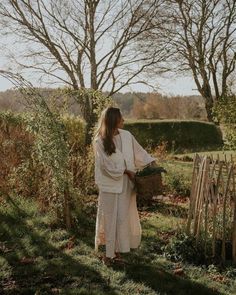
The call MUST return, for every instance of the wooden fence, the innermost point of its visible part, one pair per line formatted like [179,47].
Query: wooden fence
[212,210]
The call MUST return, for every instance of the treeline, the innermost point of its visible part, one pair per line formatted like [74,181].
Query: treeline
[157,106]
[137,105]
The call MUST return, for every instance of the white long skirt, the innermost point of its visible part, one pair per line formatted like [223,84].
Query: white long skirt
[117,224]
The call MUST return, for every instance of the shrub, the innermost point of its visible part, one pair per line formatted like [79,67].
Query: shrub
[185,248]
[15,145]
[82,167]
[179,135]
[75,131]
[81,156]
[20,168]
[177,184]
[58,148]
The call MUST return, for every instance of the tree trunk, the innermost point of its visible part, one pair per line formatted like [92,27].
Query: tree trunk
[90,118]
[90,124]
[209,105]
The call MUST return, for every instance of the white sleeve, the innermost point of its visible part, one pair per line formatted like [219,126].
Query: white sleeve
[141,157]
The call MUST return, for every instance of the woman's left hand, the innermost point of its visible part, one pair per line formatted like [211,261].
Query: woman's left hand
[130,174]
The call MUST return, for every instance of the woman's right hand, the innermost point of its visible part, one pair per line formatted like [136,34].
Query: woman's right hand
[153,164]
[130,174]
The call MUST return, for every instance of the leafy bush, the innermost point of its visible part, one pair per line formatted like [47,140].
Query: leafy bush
[185,248]
[75,131]
[177,184]
[81,156]
[15,145]
[82,167]
[21,170]
[179,135]
[53,164]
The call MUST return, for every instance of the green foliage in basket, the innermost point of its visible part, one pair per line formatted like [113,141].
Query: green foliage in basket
[150,171]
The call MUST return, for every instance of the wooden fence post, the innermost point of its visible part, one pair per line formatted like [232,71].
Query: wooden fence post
[212,193]
[193,192]
[234,220]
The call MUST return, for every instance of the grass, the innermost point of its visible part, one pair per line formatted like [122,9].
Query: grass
[132,120]
[39,257]
[222,154]
[180,167]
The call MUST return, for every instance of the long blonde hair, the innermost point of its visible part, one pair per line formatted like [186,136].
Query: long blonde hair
[107,124]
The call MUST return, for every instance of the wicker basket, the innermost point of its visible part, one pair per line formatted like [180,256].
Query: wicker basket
[148,186]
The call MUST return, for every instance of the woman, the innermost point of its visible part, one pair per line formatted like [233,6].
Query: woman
[117,156]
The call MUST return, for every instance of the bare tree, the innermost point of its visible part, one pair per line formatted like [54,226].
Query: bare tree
[206,41]
[201,36]
[83,43]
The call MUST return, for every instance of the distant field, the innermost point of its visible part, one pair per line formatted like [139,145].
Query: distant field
[181,164]
[133,120]
[214,154]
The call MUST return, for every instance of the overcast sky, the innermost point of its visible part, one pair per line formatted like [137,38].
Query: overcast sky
[168,85]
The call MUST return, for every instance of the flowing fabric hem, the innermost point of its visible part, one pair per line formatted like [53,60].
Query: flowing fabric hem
[134,244]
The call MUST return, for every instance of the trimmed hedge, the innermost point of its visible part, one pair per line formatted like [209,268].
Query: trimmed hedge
[179,135]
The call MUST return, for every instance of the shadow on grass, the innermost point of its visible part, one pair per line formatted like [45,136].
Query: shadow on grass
[164,282]
[38,266]
[142,269]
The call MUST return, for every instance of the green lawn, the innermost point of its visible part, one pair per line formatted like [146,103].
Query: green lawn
[39,257]
[214,154]
[181,165]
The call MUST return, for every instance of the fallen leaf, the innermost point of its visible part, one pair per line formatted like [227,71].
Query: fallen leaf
[179,271]
[27,260]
